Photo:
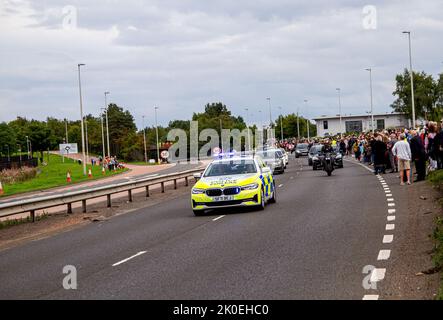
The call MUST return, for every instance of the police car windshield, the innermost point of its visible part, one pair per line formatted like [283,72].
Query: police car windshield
[316,149]
[230,167]
[302,146]
[270,154]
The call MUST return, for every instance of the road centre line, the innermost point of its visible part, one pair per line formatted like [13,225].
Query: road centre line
[371,297]
[218,218]
[388,238]
[384,255]
[130,258]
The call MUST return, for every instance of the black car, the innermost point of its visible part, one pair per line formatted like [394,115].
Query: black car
[302,149]
[313,152]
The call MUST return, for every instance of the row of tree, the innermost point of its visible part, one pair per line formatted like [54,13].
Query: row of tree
[125,141]
[428,95]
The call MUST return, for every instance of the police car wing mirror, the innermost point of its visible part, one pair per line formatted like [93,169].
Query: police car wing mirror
[266,170]
[197,175]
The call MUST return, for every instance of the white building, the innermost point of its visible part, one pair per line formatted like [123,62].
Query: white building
[330,125]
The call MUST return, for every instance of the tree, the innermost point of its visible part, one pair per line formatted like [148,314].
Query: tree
[40,136]
[425,95]
[121,124]
[8,139]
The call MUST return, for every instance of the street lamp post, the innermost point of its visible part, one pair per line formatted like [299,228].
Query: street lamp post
[144,140]
[156,134]
[86,138]
[107,124]
[247,126]
[81,118]
[412,78]
[103,134]
[27,146]
[270,118]
[281,123]
[307,121]
[339,111]
[298,123]
[66,130]
[372,107]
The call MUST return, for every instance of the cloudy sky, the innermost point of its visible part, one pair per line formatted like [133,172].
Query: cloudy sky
[181,54]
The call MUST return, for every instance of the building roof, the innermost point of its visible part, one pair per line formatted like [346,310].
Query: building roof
[358,116]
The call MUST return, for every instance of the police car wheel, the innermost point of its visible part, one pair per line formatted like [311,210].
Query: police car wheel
[262,204]
[199,213]
[274,196]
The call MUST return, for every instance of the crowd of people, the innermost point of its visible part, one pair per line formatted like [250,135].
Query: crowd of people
[397,150]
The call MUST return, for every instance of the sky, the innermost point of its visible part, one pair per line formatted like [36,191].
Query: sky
[181,54]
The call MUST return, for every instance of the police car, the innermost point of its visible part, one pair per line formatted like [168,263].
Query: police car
[233,181]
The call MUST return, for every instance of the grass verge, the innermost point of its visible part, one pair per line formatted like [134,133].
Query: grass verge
[54,175]
[436,178]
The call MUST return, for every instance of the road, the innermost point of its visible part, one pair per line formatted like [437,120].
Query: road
[312,244]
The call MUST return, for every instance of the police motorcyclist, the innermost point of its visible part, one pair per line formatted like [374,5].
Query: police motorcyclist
[327,148]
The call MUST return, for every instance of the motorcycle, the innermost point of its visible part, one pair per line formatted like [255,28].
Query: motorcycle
[328,163]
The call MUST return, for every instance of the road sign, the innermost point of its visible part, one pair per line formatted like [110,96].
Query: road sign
[164,154]
[68,148]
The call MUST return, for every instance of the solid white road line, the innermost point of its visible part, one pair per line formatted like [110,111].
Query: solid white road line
[388,238]
[218,218]
[384,255]
[391,211]
[378,275]
[390,227]
[391,218]
[127,259]
[371,297]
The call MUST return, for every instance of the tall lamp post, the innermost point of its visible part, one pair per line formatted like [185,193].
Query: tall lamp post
[298,123]
[86,138]
[307,121]
[81,118]
[156,134]
[339,111]
[412,78]
[66,130]
[247,126]
[107,123]
[372,107]
[281,123]
[144,140]
[103,132]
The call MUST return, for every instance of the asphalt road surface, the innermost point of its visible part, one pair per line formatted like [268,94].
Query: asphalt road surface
[312,244]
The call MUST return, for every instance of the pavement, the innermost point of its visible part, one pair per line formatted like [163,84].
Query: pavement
[317,242]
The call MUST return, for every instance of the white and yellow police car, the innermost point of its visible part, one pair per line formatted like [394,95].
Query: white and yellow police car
[232,181]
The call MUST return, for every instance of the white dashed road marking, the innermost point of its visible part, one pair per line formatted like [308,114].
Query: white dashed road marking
[388,238]
[390,227]
[280,186]
[371,297]
[218,218]
[384,255]
[391,204]
[378,275]
[391,218]
[391,211]
[127,259]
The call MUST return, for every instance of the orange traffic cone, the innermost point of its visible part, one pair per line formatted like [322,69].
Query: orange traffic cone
[68,177]
[1,188]
[103,171]
[90,174]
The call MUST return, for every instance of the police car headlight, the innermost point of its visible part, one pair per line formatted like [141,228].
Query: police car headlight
[198,191]
[252,186]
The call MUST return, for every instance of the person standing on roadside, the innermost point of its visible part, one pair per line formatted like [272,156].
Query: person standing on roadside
[379,151]
[391,143]
[418,155]
[402,151]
